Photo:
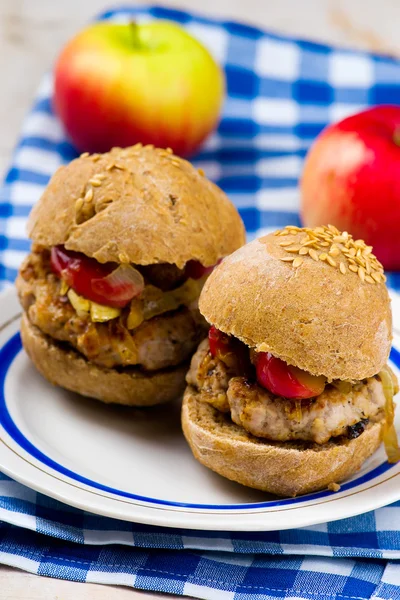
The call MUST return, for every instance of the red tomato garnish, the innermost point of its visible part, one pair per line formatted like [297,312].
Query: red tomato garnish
[284,380]
[107,284]
[195,270]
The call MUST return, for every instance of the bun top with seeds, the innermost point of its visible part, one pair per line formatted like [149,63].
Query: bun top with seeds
[315,298]
[138,205]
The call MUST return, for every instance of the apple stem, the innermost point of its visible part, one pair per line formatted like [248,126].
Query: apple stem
[135,34]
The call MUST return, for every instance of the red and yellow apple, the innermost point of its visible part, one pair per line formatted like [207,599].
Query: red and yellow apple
[285,380]
[119,84]
[351,179]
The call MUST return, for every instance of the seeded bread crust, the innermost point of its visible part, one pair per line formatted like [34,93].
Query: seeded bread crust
[281,468]
[139,205]
[313,316]
[68,369]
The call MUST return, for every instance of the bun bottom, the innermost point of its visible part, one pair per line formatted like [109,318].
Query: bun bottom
[68,369]
[281,468]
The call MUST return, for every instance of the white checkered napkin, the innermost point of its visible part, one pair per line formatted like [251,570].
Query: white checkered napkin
[210,575]
[374,535]
[280,94]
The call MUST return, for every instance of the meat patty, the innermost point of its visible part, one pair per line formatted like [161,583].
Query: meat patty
[328,415]
[211,376]
[267,416]
[163,341]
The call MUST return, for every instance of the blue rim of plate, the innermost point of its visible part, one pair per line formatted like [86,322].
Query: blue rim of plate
[13,347]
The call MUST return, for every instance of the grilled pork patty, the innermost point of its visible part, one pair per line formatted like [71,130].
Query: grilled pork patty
[163,341]
[333,413]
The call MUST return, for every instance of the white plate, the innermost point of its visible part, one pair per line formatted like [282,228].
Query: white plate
[135,464]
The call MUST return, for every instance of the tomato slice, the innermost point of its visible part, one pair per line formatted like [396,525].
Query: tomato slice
[107,284]
[195,270]
[284,380]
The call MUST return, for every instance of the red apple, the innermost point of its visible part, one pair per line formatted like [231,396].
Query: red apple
[351,179]
[230,350]
[285,380]
[119,84]
[220,343]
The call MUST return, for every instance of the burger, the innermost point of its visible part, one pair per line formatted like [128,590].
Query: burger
[122,245]
[291,391]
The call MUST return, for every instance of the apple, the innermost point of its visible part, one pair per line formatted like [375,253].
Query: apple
[351,179]
[229,350]
[219,342]
[285,380]
[117,84]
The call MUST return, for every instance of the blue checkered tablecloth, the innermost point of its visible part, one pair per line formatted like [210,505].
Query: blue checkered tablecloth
[281,93]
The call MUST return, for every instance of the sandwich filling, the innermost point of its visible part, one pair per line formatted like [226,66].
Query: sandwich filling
[275,401]
[114,315]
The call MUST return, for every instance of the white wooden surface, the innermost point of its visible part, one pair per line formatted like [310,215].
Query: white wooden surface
[31,34]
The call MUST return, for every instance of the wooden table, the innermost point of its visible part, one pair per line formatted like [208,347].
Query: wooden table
[31,35]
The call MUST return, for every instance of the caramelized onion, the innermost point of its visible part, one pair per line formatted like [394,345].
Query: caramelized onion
[135,316]
[124,277]
[101,314]
[156,302]
[297,413]
[389,435]
[80,304]
[344,387]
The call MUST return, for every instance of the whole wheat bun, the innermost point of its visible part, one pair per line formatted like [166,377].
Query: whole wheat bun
[281,468]
[314,316]
[68,369]
[145,206]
